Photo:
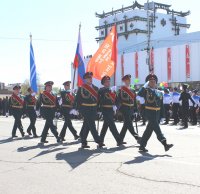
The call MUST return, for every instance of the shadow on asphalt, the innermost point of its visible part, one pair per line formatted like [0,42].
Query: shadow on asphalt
[146,157]
[76,158]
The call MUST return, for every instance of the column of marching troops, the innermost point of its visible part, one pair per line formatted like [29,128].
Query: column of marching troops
[90,101]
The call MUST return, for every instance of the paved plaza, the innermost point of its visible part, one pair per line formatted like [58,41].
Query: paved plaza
[27,167]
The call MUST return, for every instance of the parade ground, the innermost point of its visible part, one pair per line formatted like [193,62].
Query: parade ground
[27,167]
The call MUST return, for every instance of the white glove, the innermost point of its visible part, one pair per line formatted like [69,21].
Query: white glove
[72,112]
[114,109]
[37,113]
[57,114]
[195,105]
[7,114]
[162,120]
[76,112]
[135,114]
[99,113]
[114,89]
[146,84]
[60,101]
[33,94]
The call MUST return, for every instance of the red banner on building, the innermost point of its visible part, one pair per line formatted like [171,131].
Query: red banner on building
[169,64]
[152,60]
[136,65]
[187,56]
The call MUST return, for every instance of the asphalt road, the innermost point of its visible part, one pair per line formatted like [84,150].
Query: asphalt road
[29,168]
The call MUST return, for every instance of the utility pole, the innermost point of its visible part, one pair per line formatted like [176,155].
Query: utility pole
[148,38]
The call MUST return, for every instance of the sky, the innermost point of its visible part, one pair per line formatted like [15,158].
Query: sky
[54,26]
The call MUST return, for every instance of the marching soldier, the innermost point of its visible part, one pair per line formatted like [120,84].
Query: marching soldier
[127,103]
[30,104]
[16,106]
[67,102]
[153,111]
[167,102]
[86,102]
[107,103]
[48,103]
[175,106]
[185,97]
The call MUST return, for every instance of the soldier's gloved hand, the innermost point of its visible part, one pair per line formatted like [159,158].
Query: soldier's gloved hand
[114,109]
[99,113]
[7,114]
[135,114]
[57,114]
[162,120]
[72,112]
[37,113]
[146,84]
[60,102]
[113,88]
[195,105]
[76,113]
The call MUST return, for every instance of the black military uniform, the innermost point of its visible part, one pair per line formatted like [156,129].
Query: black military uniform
[154,110]
[107,100]
[185,97]
[66,106]
[30,104]
[16,108]
[86,102]
[127,103]
[48,104]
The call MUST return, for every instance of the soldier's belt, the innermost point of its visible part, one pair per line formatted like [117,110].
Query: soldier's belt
[107,106]
[84,104]
[66,105]
[49,106]
[126,104]
[152,108]
[20,107]
[30,105]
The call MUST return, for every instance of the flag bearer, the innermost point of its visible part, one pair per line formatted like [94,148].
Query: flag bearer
[30,104]
[86,102]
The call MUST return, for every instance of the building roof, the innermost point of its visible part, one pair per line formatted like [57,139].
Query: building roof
[182,39]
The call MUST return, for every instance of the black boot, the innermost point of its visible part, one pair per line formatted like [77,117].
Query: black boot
[167,146]
[142,149]
[85,146]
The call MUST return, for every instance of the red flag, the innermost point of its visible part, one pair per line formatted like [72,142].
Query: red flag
[136,65]
[169,64]
[187,56]
[105,59]
[152,61]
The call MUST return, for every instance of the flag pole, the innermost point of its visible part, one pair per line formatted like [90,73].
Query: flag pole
[75,67]
[115,67]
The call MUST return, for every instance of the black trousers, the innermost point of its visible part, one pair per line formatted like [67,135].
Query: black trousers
[128,123]
[167,114]
[175,112]
[17,114]
[193,115]
[185,115]
[89,114]
[108,117]
[32,116]
[153,118]
[143,113]
[49,114]
[67,123]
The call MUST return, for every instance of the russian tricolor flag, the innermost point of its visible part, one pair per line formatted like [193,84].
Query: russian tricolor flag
[78,61]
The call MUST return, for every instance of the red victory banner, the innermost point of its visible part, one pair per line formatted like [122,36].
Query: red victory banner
[169,64]
[152,61]
[187,57]
[136,65]
[105,59]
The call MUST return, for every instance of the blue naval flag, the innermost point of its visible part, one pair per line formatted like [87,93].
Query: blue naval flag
[33,78]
